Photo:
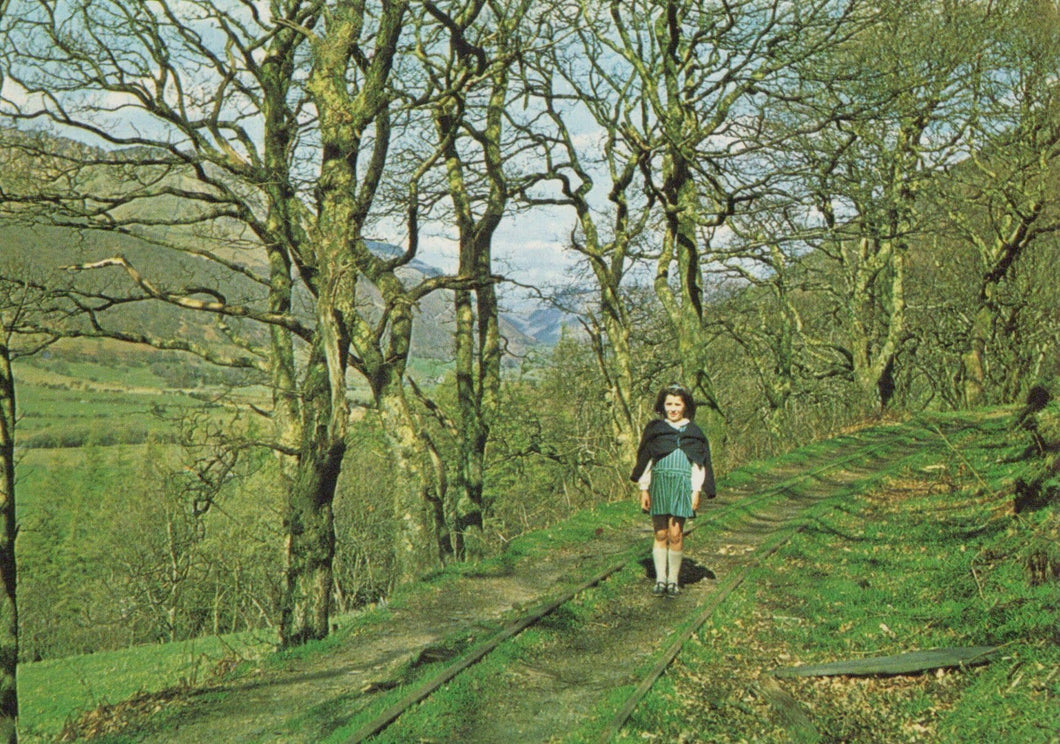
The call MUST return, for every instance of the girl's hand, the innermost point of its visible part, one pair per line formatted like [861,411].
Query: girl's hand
[645,501]
[695,500]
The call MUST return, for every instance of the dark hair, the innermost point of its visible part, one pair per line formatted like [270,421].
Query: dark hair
[681,392]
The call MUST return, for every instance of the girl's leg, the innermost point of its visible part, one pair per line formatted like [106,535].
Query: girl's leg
[660,524]
[675,533]
[675,551]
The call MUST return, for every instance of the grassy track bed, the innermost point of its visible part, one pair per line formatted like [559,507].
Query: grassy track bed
[520,687]
[574,658]
[930,557]
[903,546]
[312,690]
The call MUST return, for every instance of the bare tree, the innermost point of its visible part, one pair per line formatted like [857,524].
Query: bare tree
[248,143]
[898,104]
[20,336]
[997,198]
[590,169]
[677,88]
[467,55]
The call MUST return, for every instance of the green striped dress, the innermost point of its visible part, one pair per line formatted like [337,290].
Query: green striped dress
[671,485]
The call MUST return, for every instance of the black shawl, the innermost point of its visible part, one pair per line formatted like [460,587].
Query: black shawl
[660,439]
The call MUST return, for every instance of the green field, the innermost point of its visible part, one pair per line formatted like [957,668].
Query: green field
[73,403]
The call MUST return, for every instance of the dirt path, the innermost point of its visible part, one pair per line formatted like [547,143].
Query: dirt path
[565,683]
[546,694]
[258,707]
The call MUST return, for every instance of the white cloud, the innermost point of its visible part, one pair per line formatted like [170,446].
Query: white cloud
[439,250]
[528,248]
[532,248]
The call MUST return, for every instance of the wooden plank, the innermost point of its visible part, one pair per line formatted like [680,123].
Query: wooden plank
[908,663]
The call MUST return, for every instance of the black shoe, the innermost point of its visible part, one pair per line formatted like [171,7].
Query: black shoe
[659,589]
[672,590]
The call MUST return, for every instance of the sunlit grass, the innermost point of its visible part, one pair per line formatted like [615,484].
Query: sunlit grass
[51,692]
[930,556]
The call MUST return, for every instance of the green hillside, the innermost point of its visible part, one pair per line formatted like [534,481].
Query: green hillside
[38,253]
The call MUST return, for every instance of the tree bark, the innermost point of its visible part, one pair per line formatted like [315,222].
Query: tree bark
[8,604]
[8,528]
[309,519]
[997,259]
[416,502]
[973,368]
[475,162]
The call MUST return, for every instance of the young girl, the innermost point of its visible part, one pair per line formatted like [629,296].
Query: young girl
[673,470]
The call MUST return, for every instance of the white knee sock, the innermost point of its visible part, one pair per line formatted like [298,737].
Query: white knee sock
[675,566]
[659,556]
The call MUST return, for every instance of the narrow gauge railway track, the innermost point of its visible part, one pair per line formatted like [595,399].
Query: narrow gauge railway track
[734,536]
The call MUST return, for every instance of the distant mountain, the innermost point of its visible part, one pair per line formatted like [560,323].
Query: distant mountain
[544,324]
[389,250]
[42,250]
[533,324]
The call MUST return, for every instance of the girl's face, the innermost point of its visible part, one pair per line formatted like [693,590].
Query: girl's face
[675,407]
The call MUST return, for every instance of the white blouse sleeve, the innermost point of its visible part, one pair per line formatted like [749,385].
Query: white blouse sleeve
[699,476]
[645,478]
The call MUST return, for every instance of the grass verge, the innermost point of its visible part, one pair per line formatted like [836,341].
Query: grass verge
[54,692]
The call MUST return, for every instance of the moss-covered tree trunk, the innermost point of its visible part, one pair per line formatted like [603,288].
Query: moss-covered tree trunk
[308,518]
[8,604]
[620,376]
[876,322]
[417,543]
[1015,231]
[477,184]
[478,408]
[477,356]
[8,565]
[354,124]
[1003,199]
[420,539]
[478,376]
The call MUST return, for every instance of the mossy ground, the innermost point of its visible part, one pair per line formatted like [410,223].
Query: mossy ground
[928,554]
